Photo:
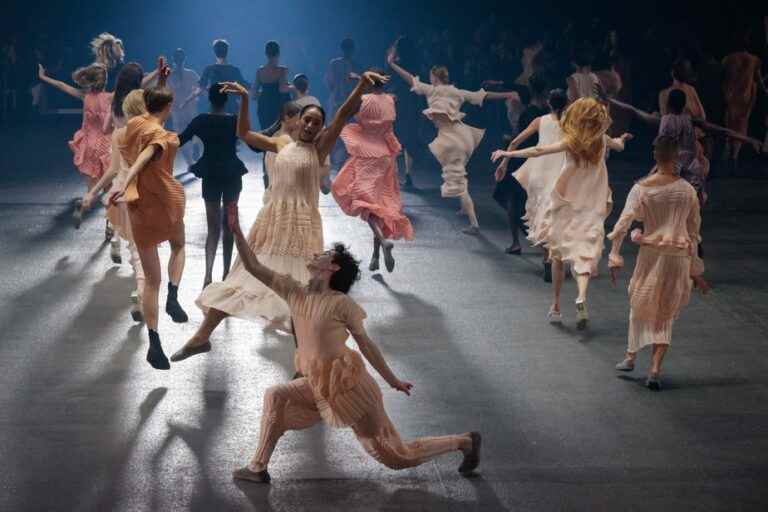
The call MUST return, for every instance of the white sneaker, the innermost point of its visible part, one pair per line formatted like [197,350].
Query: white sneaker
[554,317]
[582,316]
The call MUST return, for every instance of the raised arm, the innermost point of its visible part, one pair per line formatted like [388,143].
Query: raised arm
[250,262]
[392,61]
[328,137]
[65,88]
[373,355]
[253,139]
[557,147]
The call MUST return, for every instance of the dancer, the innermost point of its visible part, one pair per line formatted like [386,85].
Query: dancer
[367,185]
[681,74]
[455,141]
[219,72]
[510,193]
[221,171]
[109,51]
[409,107]
[742,77]
[116,175]
[335,386]
[680,125]
[582,82]
[271,87]
[182,83]
[90,144]
[156,209]
[340,86]
[667,262]
[302,98]
[288,230]
[572,221]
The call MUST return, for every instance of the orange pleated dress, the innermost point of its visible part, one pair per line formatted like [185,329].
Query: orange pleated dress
[155,198]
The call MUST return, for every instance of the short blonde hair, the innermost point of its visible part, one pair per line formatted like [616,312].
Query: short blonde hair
[133,104]
[584,124]
[106,49]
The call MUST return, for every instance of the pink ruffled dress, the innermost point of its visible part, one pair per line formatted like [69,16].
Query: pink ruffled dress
[661,283]
[367,184]
[90,144]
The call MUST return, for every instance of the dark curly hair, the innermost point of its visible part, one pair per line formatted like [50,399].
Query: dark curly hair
[349,269]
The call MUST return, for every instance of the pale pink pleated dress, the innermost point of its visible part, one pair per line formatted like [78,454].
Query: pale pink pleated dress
[90,145]
[572,225]
[661,283]
[335,388]
[367,183]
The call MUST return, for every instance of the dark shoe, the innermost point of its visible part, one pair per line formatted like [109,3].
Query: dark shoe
[155,355]
[407,182]
[472,459]
[114,252]
[471,230]
[389,260]
[374,266]
[175,311]
[262,477]
[582,316]
[514,249]
[77,214]
[186,352]
[547,272]
[653,382]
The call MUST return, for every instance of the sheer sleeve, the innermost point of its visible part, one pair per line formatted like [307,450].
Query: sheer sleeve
[632,212]
[421,88]
[693,225]
[473,97]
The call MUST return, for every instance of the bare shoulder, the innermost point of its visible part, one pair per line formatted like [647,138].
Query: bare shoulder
[282,141]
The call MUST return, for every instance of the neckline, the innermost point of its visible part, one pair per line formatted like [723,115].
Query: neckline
[662,186]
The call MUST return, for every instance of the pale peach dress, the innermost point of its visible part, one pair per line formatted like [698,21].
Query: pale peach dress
[336,387]
[661,283]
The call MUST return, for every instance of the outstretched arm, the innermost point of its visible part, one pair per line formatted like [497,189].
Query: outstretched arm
[500,95]
[58,84]
[533,152]
[373,355]
[532,128]
[253,139]
[721,130]
[247,256]
[392,61]
[328,138]
[653,119]
[617,144]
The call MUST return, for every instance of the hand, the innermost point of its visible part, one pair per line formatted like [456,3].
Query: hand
[701,284]
[353,76]
[234,88]
[86,202]
[116,196]
[233,219]
[374,79]
[163,70]
[614,272]
[626,137]
[501,171]
[499,154]
[41,72]
[404,387]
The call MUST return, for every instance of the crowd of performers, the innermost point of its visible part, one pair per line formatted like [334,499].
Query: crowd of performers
[560,198]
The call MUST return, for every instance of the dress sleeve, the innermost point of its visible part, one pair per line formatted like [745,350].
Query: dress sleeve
[154,136]
[632,212]
[189,132]
[473,97]
[353,316]
[421,88]
[284,285]
[693,225]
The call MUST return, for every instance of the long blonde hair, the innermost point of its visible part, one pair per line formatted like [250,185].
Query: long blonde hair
[91,78]
[584,125]
[133,104]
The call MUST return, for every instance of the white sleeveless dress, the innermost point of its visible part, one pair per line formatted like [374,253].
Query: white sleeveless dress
[538,177]
[287,232]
